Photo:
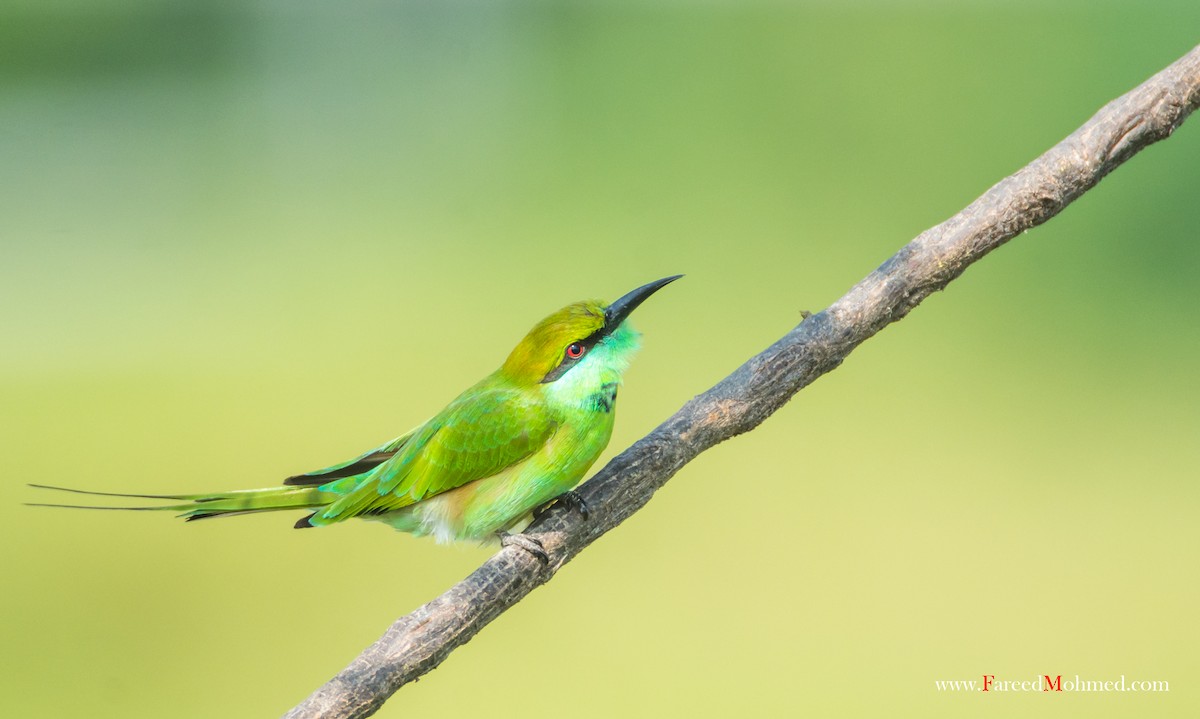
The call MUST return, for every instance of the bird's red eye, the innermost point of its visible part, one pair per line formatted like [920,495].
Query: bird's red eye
[576,350]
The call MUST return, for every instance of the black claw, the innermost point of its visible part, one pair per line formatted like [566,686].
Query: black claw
[570,498]
[576,500]
[529,544]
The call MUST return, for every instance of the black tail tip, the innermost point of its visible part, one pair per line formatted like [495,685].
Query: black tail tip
[303,522]
[203,515]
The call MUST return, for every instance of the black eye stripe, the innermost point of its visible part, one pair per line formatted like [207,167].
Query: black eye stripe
[586,344]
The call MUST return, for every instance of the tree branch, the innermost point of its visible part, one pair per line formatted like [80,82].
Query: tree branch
[419,642]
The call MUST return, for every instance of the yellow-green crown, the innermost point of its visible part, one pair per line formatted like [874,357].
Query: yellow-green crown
[542,349]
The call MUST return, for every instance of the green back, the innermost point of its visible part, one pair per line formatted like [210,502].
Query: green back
[487,429]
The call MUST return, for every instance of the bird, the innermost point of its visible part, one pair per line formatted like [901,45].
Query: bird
[511,445]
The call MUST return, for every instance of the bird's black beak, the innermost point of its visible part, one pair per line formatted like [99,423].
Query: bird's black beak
[620,309]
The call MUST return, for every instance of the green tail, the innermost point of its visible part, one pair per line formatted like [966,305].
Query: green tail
[312,490]
[218,504]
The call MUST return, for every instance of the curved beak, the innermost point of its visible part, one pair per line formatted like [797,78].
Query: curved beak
[616,313]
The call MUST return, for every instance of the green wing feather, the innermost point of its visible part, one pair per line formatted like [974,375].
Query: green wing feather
[478,435]
[359,465]
[484,431]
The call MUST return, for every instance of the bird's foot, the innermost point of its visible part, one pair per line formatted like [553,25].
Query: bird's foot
[524,541]
[569,498]
[574,499]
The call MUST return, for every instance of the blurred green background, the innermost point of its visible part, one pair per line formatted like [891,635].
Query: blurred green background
[243,240]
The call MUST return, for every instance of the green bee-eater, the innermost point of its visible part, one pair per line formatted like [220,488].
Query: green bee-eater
[520,438]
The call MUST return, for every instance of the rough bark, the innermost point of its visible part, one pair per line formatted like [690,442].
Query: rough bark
[417,643]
